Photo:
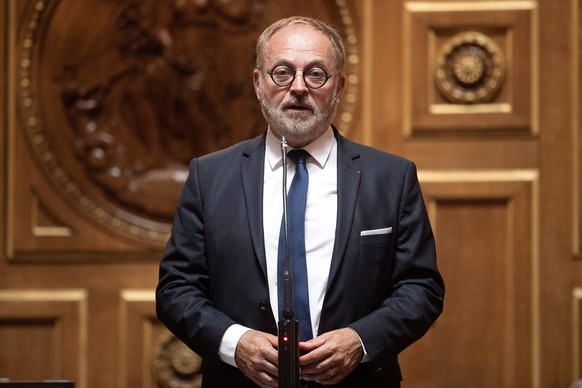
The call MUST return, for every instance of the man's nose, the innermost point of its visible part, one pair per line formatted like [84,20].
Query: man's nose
[298,85]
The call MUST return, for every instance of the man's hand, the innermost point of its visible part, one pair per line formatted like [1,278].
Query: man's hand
[256,356]
[332,356]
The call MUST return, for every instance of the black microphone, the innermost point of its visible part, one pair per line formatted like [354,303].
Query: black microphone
[288,327]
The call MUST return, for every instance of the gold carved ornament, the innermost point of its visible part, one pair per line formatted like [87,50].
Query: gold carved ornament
[470,68]
[175,365]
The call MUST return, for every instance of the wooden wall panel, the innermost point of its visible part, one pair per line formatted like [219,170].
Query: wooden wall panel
[577,333]
[559,273]
[44,335]
[503,32]
[3,108]
[485,223]
[150,356]
[137,322]
[577,126]
[576,339]
[43,226]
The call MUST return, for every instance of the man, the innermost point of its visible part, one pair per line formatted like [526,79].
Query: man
[373,283]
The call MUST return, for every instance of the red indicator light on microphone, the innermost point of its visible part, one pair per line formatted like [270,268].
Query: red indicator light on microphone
[285,339]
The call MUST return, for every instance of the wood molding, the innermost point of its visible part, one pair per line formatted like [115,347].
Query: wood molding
[576,128]
[150,355]
[48,326]
[431,26]
[577,333]
[486,227]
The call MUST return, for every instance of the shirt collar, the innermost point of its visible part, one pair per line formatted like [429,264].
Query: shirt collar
[319,149]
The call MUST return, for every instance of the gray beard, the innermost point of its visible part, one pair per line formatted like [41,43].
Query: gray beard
[299,128]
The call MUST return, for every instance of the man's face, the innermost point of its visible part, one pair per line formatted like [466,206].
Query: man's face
[299,113]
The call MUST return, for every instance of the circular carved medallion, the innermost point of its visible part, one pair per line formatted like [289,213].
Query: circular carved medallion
[175,365]
[118,96]
[470,68]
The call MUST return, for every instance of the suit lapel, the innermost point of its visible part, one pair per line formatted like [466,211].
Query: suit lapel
[349,174]
[252,171]
[348,184]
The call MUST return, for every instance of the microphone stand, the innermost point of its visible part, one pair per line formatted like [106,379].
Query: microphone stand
[288,327]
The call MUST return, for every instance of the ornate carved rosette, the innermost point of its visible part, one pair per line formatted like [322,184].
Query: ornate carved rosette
[128,92]
[470,68]
[175,365]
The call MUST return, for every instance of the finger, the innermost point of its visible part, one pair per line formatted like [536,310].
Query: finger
[265,380]
[257,358]
[312,343]
[316,352]
[327,376]
[273,339]
[272,355]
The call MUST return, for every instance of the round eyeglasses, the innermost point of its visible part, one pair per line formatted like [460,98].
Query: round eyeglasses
[314,77]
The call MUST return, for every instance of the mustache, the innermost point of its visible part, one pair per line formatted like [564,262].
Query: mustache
[295,101]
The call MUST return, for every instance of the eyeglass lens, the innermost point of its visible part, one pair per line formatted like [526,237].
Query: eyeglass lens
[314,77]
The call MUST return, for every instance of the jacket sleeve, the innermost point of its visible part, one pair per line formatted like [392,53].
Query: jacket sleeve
[182,295]
[418,289]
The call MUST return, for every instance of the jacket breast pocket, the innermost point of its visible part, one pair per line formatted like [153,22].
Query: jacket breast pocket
[375,236]
[376,247]
[375,239]
[375,262]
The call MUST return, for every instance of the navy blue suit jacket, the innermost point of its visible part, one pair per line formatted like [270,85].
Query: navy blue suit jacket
[213,272]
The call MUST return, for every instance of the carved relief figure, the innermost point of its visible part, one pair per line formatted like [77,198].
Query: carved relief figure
[144,86]
[180,89]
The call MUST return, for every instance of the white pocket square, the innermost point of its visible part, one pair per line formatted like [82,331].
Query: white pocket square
[372,232]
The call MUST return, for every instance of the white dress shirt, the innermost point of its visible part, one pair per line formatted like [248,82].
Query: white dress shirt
[320,216]
[320,225]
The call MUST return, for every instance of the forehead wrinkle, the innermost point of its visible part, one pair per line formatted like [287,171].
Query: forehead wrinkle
[299,46]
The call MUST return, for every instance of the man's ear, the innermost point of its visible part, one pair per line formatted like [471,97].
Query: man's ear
[341,86]
[256,75]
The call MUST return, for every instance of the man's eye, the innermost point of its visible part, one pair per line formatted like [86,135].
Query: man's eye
[316,73]
[282,72]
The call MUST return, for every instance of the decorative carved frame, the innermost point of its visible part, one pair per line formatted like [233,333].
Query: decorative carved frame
[36,221]
[65,312]
[428,26]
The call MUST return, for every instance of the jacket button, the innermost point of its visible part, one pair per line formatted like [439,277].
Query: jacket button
[263,306]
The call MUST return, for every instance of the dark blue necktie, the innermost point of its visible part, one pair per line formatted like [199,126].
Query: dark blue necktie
[296,200]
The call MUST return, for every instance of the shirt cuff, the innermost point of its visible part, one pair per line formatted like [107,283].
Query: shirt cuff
[229,341]
[366,357]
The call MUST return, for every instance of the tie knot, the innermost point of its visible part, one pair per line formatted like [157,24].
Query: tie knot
[298,156]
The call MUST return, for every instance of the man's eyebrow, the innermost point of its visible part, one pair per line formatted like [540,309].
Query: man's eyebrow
[310,65]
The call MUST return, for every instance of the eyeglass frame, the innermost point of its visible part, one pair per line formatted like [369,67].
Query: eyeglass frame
[327,76]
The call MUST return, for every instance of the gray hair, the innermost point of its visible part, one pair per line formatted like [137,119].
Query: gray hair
[334,37]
